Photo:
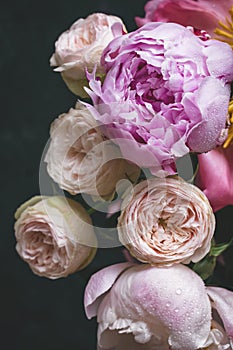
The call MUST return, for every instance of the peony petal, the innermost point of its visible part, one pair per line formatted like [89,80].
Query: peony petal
[157,306]
[212,100]
[223,303]
[217,67]
[99,284]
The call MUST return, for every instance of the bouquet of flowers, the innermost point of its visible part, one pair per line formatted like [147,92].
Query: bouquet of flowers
[143,160]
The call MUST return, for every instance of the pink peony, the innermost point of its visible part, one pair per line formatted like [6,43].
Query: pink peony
[166,93]
[139,307]
[54,236]
[81,47]
[215,176]
[166,221]
[201,14]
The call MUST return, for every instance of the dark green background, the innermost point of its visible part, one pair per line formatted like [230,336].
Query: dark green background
[36,313]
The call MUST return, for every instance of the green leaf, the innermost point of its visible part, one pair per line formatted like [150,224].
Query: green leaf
[205,267]
[218,249]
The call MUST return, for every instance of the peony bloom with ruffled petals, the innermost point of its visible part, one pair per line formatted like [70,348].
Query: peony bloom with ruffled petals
[166,93]
[215,176]
[81,47]
[166,221]
[201,14]
[54,236]
[81,160]
[139,307]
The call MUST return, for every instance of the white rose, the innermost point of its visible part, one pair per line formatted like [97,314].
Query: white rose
[81,47]
[81,160]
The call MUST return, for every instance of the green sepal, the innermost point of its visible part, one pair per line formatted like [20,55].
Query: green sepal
[220,248]
[205,267]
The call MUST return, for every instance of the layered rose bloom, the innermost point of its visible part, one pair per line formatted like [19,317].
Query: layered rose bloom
[54,236]
[81,160]
[80,48]
[166,93]
[215,176]
[139,307]
[201,14]
[166,221]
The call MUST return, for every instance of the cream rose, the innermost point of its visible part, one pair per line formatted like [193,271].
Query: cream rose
[166,221]
[81,47]
[54,236]
[81,160]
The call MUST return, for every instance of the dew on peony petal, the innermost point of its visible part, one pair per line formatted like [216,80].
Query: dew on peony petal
[176,310]
[168,304]
[178,291]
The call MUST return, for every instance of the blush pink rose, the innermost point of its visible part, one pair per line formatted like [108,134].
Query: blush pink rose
[215,176]
[166,221]
[54,236]
[200,14]
[80,48]
[139,307]
[81,160]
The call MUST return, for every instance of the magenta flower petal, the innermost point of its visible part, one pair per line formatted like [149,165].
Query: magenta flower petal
[201,14]
[215,176]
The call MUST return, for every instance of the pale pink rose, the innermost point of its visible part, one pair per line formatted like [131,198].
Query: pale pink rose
[215,176]
[54,236]
[166,221]
[139,307]
[81,47]
[201,14]
[81,160]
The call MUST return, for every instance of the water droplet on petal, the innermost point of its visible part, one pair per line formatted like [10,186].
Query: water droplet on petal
[178,291]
